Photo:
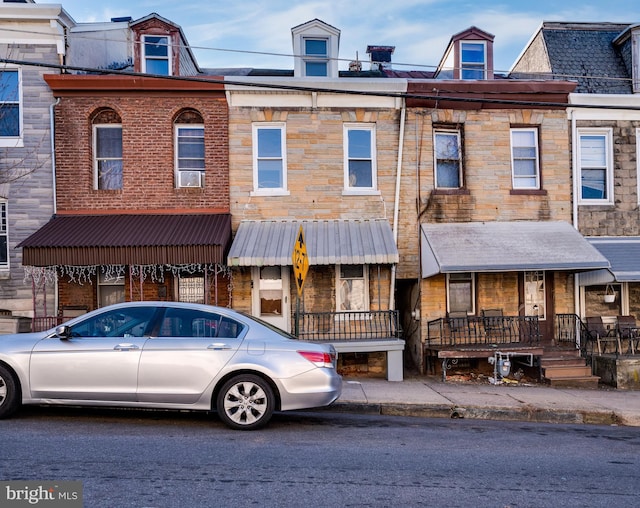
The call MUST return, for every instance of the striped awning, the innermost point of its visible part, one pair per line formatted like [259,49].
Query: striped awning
[328,242]
[129,239]
[506,247]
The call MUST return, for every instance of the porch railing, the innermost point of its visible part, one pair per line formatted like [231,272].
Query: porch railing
[348,326]
[40,324]
[475,330]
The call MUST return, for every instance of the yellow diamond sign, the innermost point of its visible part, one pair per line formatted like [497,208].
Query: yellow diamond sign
[300,261]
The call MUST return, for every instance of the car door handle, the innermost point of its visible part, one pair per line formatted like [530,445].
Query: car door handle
[219,346]
[126,347]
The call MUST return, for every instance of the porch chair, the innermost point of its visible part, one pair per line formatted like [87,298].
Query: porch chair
[627,331]
[459,326]
[599,334]
[495,324]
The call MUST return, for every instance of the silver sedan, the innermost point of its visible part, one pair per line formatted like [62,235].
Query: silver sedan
[169,355]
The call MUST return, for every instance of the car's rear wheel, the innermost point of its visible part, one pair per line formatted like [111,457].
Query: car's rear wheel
[246,402]
[9,399]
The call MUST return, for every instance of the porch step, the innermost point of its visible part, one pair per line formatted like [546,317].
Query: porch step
[568,369]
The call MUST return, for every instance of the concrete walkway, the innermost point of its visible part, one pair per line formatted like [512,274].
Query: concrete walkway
[432,398]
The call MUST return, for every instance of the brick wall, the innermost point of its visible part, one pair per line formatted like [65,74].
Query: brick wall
[148,154]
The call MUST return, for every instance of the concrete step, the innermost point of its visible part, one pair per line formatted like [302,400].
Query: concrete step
[566,371]
[575,382]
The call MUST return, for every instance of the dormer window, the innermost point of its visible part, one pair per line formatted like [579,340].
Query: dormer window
[156,55]
[473,61]
[316,56]
[315,46]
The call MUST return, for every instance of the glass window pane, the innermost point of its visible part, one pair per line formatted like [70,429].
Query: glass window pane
[316,68]
[523,138]
[592,151]
[594,184]
[109,142]
[472,52]
[448,174]
[360,174]
[270,174]
[524,167]
[156,46]
[447,146]
[315,47]
[9,120]
[269,143]
[359,144]
[160,67]
[9,86]
[110,174]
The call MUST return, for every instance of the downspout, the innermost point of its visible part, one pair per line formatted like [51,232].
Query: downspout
[53,184]
[396,208]
[574,155]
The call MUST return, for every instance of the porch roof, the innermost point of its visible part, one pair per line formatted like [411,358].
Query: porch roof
[328,242]
[129,239]
[623,253]
[506,247]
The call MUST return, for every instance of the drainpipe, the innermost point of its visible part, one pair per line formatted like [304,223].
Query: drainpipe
[396,208]
[574,158]
[53,184]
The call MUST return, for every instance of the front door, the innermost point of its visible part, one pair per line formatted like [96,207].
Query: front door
[536,301]
[270,295]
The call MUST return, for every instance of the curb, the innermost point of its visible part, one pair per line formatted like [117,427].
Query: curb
[527,414]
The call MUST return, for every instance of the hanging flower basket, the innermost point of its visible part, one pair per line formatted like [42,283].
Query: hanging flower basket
[610,294]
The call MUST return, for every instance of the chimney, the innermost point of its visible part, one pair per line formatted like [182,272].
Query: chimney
[380,57]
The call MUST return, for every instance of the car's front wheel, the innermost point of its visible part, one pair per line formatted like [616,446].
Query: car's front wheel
[9,398]
[246,402]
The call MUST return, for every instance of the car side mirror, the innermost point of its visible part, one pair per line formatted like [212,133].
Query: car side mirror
[63,332]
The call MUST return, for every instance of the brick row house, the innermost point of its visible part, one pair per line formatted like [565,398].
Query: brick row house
[29,34]
[142,183]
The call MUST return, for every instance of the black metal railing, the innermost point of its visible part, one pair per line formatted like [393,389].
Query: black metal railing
[348,326]
[475,330]
[40,324]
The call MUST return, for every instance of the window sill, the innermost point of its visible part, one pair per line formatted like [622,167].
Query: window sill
[364,192]
[9,142]
[270,193]
[451,192]
[528,192]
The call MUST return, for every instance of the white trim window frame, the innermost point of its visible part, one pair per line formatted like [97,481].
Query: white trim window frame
[461,290]
[525,158]
[156,55]
[4,235]
[315,61]
[595,166]
[269,159]
[352,288]
[11,108]
[447,154]
[189,155]
[107,157]
[360,165]
[473,59]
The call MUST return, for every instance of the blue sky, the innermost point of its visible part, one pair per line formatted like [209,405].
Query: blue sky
[223,33]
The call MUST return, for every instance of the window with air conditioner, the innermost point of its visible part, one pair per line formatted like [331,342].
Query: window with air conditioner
[190,160]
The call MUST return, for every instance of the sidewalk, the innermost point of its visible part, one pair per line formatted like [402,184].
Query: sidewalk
[429,397]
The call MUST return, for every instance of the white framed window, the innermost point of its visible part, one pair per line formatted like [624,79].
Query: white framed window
[10,108]
[448,162]
[4,236]
[107,159]
[189,155]
[352,288]
[156,57]
[473,60]
[316,56]
[461,292]
[269,158]
[360,173]
[525,160]
[595,166]
[110,289]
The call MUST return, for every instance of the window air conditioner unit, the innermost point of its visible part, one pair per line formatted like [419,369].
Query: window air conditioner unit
[190,178]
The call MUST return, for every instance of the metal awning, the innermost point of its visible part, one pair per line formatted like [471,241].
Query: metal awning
[328,242]
[623,253]
[129,239]
[506,247]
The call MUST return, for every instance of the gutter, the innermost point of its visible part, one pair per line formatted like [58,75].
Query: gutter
[396,207]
